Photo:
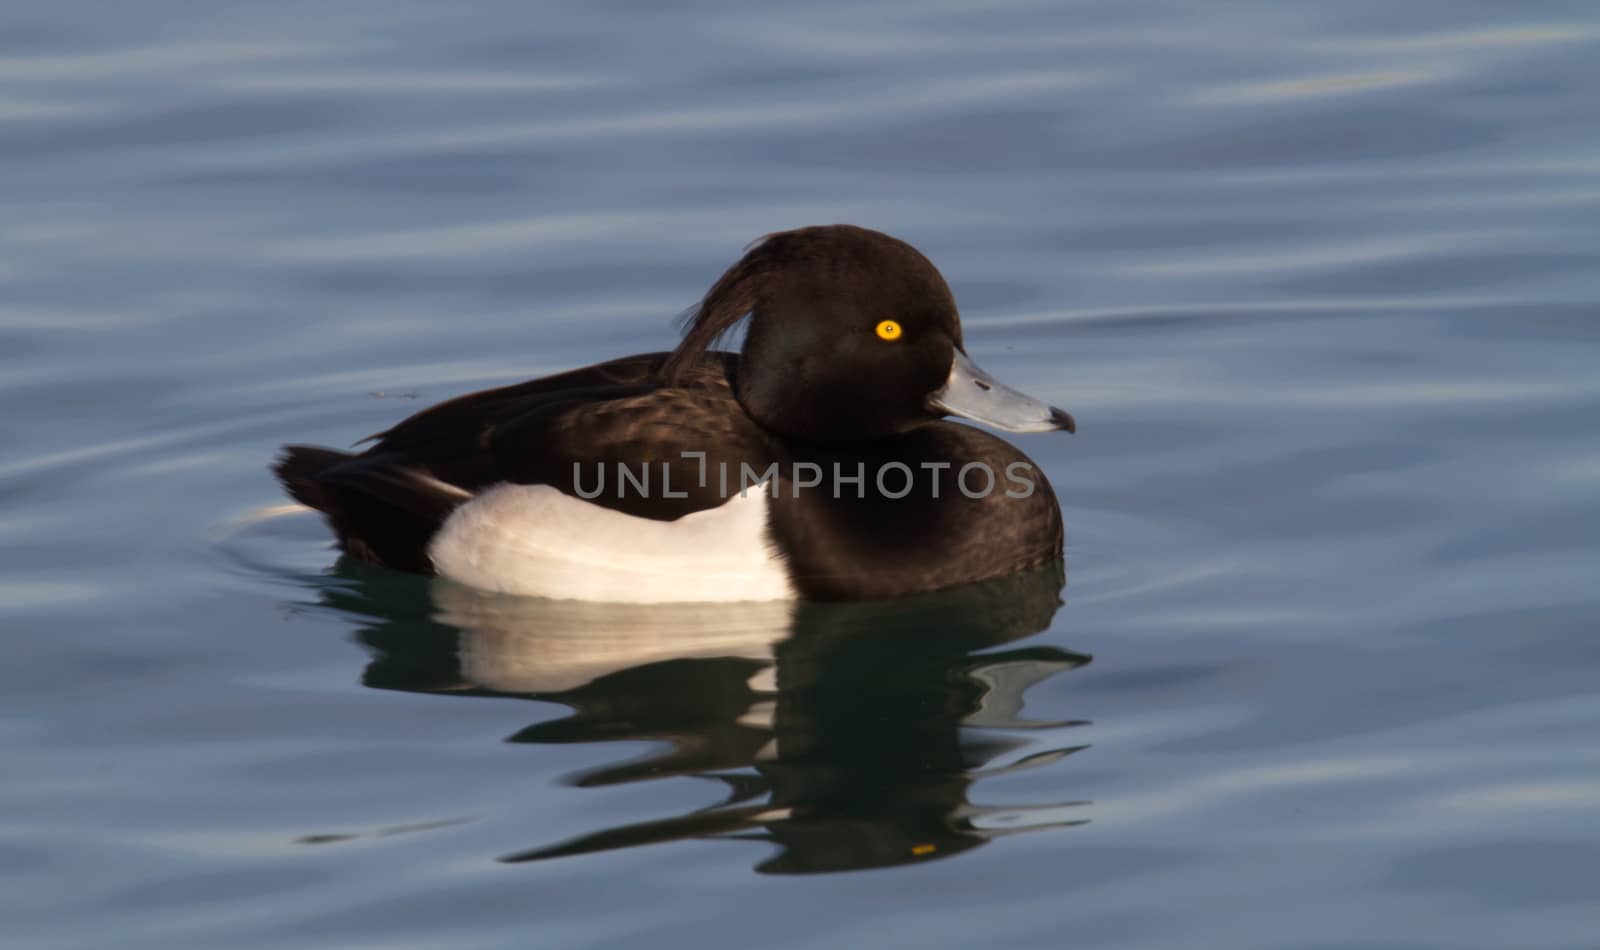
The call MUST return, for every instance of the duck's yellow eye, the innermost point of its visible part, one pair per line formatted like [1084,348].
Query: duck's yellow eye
[889,330]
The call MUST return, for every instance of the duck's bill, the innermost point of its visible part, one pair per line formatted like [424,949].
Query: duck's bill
[973,394]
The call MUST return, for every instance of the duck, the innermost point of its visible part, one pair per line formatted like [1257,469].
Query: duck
[818,462]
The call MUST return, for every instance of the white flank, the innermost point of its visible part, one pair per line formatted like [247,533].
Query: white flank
[534,541]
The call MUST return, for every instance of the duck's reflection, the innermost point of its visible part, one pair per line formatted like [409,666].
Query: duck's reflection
[848,735]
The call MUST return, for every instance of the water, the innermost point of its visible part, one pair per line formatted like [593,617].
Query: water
[1318,281]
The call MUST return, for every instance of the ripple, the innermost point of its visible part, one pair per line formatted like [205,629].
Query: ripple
[1313,87]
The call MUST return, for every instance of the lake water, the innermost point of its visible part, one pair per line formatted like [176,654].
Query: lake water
[1318,280]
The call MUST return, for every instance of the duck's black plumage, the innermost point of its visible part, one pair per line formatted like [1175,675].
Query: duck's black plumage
[814,390]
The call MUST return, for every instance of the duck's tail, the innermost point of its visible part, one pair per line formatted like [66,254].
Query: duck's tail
[298,467]
[382,510]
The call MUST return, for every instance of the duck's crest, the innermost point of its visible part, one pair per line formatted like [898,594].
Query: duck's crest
[728,301]
[833,254]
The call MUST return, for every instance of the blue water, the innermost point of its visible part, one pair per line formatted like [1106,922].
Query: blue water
[1319,282]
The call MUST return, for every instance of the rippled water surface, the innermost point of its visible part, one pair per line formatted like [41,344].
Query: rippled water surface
[1318,280]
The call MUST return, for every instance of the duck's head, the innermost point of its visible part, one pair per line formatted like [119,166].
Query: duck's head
[853,334]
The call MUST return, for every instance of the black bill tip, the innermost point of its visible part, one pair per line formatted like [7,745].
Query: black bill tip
[1063,420]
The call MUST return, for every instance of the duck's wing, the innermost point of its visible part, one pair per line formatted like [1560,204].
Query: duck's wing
[661,453]
[565,431]
[450,439]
